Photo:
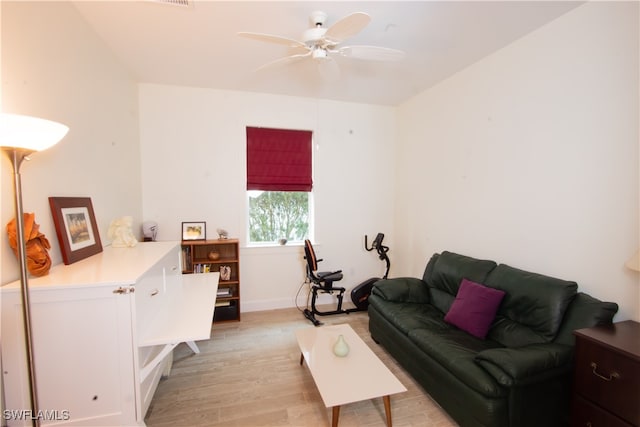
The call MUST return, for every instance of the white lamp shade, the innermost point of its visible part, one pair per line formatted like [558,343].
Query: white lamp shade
[29,133]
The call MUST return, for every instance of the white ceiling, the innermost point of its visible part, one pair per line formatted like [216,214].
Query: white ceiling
[198,46]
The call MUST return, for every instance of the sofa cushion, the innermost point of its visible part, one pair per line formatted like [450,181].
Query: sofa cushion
[406,316]
[533,307]
[446,273]
[474,308]
[584,311]
[526,365]
[428,270]
[455,350]
[402,289]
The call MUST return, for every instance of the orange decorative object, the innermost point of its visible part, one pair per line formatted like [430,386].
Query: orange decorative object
[38,259]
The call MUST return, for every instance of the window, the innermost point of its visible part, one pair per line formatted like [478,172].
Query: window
[279,183]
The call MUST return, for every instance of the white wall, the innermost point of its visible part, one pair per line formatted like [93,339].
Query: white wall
[55,67]
[530,157]
[194,169]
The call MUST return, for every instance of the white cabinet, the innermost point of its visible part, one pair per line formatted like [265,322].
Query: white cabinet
[103,331]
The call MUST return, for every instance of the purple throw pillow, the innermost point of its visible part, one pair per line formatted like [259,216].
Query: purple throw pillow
[474,308]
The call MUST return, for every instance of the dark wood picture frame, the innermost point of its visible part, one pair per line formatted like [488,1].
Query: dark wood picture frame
[76,227]
[189,230]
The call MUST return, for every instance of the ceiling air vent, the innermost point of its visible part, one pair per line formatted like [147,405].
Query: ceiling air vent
[179,3]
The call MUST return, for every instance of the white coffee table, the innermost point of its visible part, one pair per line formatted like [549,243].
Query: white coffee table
[341,380]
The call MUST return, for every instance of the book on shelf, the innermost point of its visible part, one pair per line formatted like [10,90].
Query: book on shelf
[201,268]
[223,303]
[224,292]
[186,258]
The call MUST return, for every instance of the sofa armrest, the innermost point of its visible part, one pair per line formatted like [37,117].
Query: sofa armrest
[526,365]
[402,289]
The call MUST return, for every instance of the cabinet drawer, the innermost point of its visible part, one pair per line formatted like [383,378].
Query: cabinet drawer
[611,379]
[585,414]
[150,300]
[151,293]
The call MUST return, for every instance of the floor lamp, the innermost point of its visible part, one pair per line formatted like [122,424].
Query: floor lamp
[19,137]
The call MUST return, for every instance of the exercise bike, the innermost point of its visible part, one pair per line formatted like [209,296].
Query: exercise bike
[322,282]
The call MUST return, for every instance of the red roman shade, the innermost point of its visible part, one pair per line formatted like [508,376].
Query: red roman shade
[279,159]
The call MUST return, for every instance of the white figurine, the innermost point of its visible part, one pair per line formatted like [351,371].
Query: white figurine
[120,233]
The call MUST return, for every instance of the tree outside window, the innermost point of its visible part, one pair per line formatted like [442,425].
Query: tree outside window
[275,215]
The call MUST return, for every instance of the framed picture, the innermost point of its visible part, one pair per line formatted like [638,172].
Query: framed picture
[194,231]
[76,227]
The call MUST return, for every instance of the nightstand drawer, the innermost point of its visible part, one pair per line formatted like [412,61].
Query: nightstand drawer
[586,414]
[609,378]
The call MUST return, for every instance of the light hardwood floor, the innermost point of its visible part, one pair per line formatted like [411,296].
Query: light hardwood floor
[248,374]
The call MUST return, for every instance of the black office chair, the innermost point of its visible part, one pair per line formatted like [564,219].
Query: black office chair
[321,282]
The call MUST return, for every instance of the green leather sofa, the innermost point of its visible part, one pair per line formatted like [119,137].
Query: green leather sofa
[519,375]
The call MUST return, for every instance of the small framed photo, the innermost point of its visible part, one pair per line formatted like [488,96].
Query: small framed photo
[194,231]
[76,227]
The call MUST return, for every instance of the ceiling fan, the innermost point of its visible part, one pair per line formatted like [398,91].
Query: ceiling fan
[321,44]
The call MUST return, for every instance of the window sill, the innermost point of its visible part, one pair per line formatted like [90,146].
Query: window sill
[272,245]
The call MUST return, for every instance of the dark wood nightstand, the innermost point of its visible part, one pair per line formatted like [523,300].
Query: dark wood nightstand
[606,386]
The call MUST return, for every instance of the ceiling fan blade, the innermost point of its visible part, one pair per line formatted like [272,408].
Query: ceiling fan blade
[372,53]
[270,38]
[283,61]
[348,26]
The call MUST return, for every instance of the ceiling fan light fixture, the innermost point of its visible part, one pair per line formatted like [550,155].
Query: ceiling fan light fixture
[319,53]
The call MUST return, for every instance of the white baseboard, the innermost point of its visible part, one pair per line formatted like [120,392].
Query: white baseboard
[276,303]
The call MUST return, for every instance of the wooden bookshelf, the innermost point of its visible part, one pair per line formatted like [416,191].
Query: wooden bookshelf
[223,256]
